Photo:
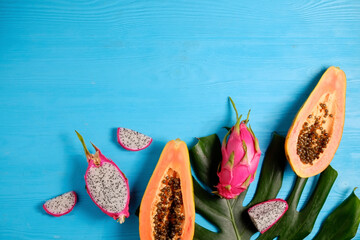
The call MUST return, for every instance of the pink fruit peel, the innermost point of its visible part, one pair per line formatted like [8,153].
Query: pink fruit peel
[132,140]
[106,184]
[240,159]
[61,205]
[264,215]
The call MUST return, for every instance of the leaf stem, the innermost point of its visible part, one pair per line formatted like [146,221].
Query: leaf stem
[247,118]
[233,104]
[295,195]
[233,221]
[87,153]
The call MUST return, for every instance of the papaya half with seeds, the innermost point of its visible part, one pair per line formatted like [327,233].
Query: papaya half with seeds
[316,131]
[167,209]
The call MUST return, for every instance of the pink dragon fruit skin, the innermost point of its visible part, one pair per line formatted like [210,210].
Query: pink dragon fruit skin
[240,159]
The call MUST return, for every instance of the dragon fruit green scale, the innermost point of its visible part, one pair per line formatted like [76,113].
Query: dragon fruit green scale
[240,159]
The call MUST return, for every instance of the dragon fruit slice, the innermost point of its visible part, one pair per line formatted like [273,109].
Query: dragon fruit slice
[132,140]
[264,215]
[106,184]
[61,205]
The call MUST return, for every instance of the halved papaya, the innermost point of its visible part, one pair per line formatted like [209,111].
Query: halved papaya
[167,209]
[316,131]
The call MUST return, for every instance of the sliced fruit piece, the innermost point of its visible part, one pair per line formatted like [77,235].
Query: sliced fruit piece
[61,205]
[316,131]
[106,184]
[132,140]
[264,215]
[167,210]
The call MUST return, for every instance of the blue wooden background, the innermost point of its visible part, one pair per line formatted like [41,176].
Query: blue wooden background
[164,68]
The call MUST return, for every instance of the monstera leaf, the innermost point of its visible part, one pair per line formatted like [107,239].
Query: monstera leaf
[230,216]
[343,222]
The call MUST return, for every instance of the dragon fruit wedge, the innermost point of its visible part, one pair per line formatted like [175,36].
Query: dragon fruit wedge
[240,159]
[106,184]
[61,205]
[132,140]
[264,215]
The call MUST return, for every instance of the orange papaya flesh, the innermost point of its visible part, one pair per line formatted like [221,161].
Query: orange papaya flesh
[167,209]
[316,131]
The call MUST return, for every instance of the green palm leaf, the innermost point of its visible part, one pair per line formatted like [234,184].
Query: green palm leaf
[230,216]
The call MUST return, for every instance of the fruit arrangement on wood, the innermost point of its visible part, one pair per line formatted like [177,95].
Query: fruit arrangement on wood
[222,175]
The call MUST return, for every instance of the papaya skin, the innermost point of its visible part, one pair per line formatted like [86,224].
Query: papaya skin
[331,89]
[174,160]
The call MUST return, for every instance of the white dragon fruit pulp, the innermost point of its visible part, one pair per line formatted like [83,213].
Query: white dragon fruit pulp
[133,140]
[61,204]
[266,214]
[107,187]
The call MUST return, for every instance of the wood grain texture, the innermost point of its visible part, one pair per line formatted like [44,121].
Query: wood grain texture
[164,68]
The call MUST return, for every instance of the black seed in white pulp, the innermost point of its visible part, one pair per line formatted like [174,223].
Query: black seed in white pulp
[266,214]
[132,139]
[107,187]
[61,204]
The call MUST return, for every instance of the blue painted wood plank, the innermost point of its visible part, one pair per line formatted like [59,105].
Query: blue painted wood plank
[164,68]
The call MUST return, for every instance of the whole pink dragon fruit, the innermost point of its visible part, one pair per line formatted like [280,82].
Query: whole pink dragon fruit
[240,159]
